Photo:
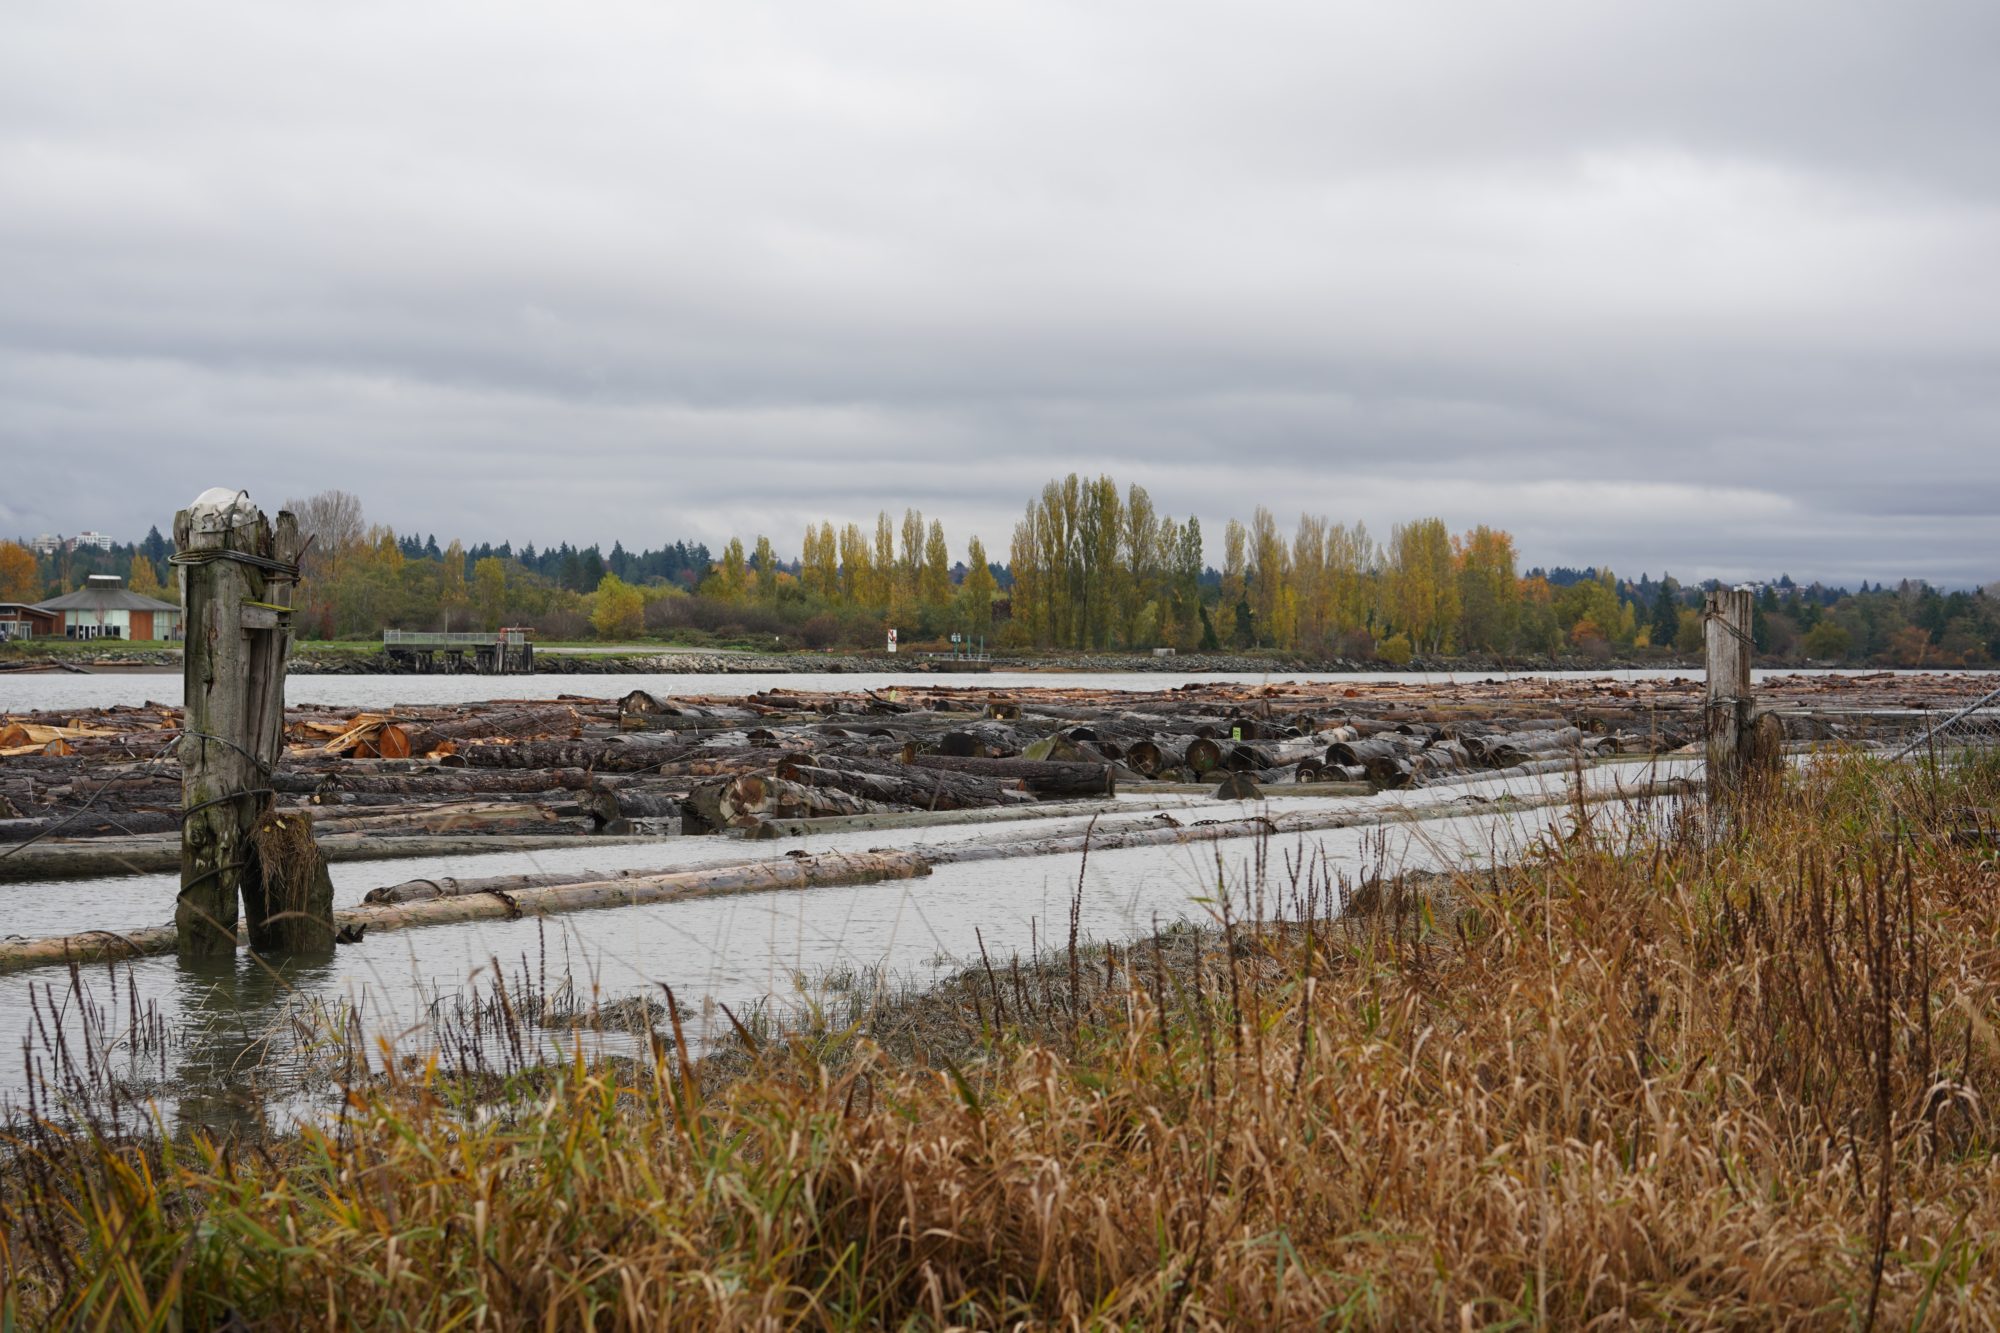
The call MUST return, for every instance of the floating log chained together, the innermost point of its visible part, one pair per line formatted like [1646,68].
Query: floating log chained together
[95,792]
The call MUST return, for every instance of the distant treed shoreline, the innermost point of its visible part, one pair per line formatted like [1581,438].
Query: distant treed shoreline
[1090,569]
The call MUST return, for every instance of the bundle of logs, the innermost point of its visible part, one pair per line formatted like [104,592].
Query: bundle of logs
[647,764]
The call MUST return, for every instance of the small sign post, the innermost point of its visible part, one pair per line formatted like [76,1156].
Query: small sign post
[892,641]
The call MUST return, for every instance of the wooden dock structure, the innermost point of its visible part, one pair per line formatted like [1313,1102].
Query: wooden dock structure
[501,652]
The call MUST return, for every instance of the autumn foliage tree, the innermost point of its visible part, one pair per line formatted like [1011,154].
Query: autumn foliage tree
[20,576]
[1489,590]
[1422,596]
[1090,567]
[619,611]
[144,579]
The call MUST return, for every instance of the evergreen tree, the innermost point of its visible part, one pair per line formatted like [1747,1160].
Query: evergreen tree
[1666,621]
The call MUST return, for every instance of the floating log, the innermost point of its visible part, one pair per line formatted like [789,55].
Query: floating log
[919,787]
[828,869]
[609,754]
[1043,777]
[1155,756]
[743,800]
[99,858]
[1163,831]
[1006,814]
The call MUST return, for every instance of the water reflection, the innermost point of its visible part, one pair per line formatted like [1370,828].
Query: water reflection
[237,1051]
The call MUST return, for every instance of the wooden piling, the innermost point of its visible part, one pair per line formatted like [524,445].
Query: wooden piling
[237,572]
[1726,620]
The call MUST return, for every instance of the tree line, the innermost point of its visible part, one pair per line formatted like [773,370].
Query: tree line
[1090,567]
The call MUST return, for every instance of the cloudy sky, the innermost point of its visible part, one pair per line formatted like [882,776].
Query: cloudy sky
[1707,286]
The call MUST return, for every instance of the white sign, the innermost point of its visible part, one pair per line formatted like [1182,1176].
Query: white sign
[892,641]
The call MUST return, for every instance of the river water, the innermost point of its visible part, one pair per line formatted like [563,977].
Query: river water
[773,949]
[23,691]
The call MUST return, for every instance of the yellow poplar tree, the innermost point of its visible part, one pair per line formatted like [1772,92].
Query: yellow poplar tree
[767,571]
[883,571]
[1423,587]
[856,575]
[731,579]
[1489,589]
[1235,560]
[934,582]
[976,593]
[1270,574]
[620,609]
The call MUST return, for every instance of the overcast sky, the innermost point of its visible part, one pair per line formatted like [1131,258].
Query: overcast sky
[1706,286]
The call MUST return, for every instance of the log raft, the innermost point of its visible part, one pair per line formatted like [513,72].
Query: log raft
[90,791]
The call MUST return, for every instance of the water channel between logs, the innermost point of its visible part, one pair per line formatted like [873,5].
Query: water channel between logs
[772,948]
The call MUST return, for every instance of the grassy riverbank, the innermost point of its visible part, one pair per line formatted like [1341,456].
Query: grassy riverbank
[1697,1077]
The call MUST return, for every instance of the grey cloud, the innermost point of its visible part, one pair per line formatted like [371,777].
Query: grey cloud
[646,271]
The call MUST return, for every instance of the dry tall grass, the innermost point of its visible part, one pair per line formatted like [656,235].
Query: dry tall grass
[1697,1078]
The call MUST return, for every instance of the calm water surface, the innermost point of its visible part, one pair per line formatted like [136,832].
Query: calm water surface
[743,950]
[21,692]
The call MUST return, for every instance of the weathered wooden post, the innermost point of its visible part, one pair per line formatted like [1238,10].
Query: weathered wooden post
[237,573]
[1726,621]
[1741,739]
